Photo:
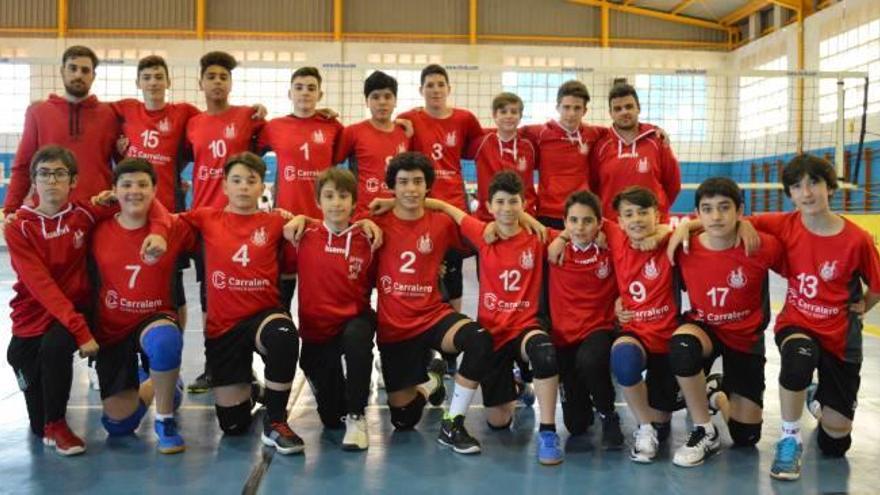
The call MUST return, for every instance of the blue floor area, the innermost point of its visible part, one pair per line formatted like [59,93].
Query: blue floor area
[404,462]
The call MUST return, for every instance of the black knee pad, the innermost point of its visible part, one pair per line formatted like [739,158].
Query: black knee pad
[476,343]
[744,434]
[281,341]
[799,357]
[542,356]
[234,420]
[685,355]
[833,447]
[408,416]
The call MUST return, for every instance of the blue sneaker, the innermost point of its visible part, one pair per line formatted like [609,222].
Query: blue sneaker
[787,463]
[549,450]
[170,441]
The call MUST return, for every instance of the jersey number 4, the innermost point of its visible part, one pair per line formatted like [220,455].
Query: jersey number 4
[241,256]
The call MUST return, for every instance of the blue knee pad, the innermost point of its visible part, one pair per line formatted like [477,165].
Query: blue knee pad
[627,363]
[119,427]
[163,345]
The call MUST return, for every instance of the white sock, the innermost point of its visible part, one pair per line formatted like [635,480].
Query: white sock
[791,429]
[461,400]
[163,417]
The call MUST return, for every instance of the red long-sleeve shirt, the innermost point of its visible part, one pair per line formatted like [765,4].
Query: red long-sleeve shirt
[88,128]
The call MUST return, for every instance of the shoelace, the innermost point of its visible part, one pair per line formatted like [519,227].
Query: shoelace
[697,435]
[169,427]
[786,451]
[282,428]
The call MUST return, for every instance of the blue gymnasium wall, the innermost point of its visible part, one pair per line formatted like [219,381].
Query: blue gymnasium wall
[691,172]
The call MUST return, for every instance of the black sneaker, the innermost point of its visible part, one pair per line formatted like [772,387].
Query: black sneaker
[612,437]
[663,430]
[436,369]
[454,435]
[278,434]
[200,385]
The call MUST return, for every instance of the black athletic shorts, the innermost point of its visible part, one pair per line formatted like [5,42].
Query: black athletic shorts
[661,382]
[743,371]
[229,358]
[498,385]
[453,284]
[405,363]
[117,364]
[839,380]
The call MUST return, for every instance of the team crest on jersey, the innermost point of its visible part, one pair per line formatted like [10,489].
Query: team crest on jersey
[527,260]
[490,301]
[229,132]
[149,259]
[111,299]
[451,139]
[736,279]
[372,184]
[318,137]
[521,164]
[355,265]
[650,270]
[386,283]
[259,237]
[828,271]
[644,167]
[79,239]
[603,270]
[164,126]
[425,245]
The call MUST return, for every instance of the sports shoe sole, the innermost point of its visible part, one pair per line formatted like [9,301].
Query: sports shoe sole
[641,459]
[785,476]
[353,447]
[706,457]
[65,452]
[268,442]
[172,450]
[550,462]
[474,449]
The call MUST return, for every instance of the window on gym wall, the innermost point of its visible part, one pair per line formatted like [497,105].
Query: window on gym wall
[763,102]
[677,103]
[857,49]
[15,96]
[538,92]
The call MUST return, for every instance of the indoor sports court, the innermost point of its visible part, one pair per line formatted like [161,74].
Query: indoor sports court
[739,86]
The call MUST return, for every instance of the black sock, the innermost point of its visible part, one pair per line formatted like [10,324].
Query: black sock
[276,404]
[547,427]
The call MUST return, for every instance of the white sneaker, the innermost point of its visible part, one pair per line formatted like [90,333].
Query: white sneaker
[645,446]
[699,446]
[356,437]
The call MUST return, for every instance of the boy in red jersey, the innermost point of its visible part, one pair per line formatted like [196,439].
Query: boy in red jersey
[335,318]
[412,316]
[828,258]
[47,248]
[563,146]
[77,121]
[730,308]
[136,312]
[304,143]
[511,273]
[581,294]
[503,149]
[650,295]
[632,154]
[242,248]
[370,144]
[443,133]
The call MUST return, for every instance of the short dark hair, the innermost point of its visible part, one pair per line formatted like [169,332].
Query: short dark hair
[805,164]
[620,90]
[342,179]
[586,198]
[506,181]
[222,59]
[379,80]
[573,88]
[79,51]
[637,195]
[719,186]
[133,166]
[409,160]
[246,159]
[151,61]
[307,72]
[431,70]
[54,153]
[503,99]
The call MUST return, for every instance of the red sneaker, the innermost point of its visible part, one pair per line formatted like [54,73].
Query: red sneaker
[58,434]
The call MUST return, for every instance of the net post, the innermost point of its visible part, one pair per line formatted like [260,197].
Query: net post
[839,129]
